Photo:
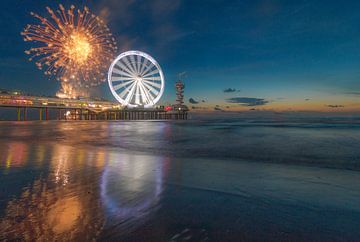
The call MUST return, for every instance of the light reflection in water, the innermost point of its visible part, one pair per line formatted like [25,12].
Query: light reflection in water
[15,155]
[78,190]
[63,204]
[61,164]
[131,186]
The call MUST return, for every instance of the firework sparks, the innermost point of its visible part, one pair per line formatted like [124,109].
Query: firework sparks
[76,46]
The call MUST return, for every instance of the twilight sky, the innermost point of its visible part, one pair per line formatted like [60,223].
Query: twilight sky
[237,55]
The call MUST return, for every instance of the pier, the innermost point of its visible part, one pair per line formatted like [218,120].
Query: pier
[74,109]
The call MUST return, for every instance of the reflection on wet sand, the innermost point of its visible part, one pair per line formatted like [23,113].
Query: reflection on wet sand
[131,186]
[16,154]
[45,213]
[61,205]
[78,192]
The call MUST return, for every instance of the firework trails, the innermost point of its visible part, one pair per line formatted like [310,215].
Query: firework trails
[76,47]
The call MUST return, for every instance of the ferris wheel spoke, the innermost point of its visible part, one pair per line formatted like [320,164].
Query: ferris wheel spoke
[126,91]
[128,64]
[131,94]
[151,73]
[122,78]
[153,78]
[147,93]
[138,62]
[148,69]
[122,69]
[122,73]
[150,96]
[118,79]
[143,66]
[137,93]
[133,63]
[121,85]
[153,90]
[141,94]
[154,84]
[144,94]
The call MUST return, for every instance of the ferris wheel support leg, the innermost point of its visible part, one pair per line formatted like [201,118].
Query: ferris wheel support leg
[18,114]
[40,114]
[24,113]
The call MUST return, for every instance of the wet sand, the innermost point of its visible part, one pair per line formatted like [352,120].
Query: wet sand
[83,181]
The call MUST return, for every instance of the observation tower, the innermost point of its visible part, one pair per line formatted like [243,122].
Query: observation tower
[179,106]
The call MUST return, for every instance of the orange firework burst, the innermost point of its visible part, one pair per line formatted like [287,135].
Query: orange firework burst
[77,46]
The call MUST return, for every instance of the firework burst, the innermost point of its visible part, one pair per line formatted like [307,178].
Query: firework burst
[76,46]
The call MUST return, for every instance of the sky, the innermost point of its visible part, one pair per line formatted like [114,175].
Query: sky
[238,55]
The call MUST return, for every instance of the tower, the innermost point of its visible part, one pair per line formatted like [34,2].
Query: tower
[180,92]
[179,85]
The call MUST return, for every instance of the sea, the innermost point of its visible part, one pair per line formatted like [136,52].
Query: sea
[240,177]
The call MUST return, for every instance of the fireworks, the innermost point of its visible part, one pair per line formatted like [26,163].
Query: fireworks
[70,90]
[76,46]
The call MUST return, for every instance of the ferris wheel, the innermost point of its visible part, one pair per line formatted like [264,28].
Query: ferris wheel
[136,79]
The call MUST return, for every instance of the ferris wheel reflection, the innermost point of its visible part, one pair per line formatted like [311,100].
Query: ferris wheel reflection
[131,187]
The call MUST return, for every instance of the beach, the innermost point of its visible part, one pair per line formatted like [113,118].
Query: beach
[239,179]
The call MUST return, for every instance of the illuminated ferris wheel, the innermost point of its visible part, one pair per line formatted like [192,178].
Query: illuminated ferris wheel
[136,79]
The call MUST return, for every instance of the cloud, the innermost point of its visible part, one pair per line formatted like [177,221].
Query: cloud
[248,101]
[193,101]
[217,108]
[200,108]
[354,93]
[335,106]
[307,99]
[227,90]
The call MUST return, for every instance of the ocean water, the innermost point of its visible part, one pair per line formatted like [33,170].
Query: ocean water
[279,178]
